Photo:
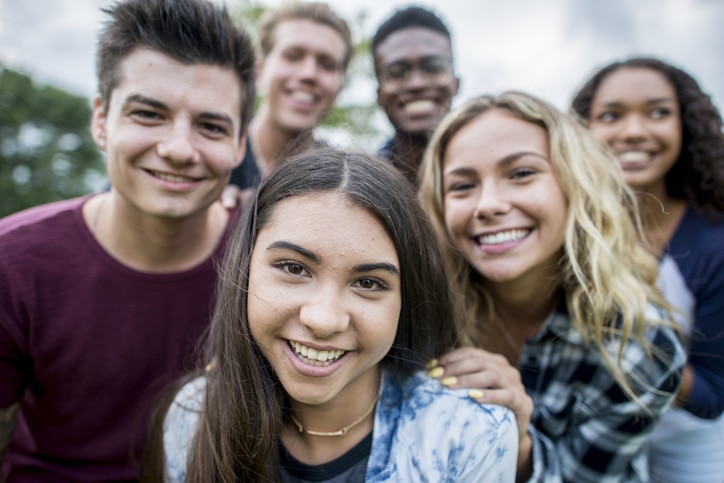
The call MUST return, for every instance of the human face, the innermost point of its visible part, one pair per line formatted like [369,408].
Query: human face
[170,133]
[504,208]
[302,75]
[635,110]
[324,281]
[416,104]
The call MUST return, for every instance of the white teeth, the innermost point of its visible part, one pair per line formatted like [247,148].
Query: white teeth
[172,177]
[313,356]
[633,157]
[302,96]
[502,237]
[420,106]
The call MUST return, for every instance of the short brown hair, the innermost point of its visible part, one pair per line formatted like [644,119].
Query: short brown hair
[189,31]
[315,11]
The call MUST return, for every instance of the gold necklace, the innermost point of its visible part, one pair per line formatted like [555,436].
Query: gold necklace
[339,432]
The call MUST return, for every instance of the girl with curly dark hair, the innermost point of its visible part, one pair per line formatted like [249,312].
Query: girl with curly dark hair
[668,137]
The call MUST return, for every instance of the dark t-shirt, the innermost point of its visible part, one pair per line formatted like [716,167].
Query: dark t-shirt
[247,174]
[87,344]
[351,467]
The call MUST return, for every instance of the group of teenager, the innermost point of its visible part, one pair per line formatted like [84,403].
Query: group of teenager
[502,292]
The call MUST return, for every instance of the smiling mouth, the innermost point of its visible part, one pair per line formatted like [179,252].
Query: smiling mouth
[313,356]
[419,107]
[173,178]
[303,97]
[634,157]
[503,237]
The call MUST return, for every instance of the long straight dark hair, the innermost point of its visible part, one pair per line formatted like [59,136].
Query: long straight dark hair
[245,406]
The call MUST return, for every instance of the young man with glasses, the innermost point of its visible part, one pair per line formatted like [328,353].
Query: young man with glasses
[412,54]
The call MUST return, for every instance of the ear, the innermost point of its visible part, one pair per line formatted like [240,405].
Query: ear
[98,124]
[455,86]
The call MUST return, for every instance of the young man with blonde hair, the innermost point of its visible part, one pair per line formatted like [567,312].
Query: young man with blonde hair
[304,50]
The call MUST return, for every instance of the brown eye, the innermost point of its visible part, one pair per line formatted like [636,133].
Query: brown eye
[295,268]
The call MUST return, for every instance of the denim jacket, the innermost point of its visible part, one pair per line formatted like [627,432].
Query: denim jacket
[422,432]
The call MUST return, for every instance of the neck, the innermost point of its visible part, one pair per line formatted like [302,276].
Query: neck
[660,216]
[520,313]
[150,243]
[342,411]
[271,143]
[409,149]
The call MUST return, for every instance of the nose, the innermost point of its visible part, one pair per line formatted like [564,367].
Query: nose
[324,313]
[492,201]
[176,145]
[633,127]
[416,79]
[308,67]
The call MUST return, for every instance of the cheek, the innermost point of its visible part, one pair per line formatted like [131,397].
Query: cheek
[602,132]
[385,329]
[332,82]
[456,215]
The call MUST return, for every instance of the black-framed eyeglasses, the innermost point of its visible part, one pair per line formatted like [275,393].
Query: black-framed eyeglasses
[431,68]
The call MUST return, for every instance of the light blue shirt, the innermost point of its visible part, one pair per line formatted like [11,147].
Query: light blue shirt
[423,432]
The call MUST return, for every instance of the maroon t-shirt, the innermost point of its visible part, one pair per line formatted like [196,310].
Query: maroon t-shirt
[87,345]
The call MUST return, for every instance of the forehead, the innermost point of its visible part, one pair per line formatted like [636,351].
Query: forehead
[633,83]
[196,87]
[412,43]
[309,35]
[329,224]
[494,135]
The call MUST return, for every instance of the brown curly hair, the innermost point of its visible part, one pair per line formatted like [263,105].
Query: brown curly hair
[698,174]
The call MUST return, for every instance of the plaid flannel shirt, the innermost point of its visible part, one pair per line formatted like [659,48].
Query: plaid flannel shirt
[584,427]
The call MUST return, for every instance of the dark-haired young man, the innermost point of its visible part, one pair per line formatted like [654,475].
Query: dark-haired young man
[103,298]
[413,61]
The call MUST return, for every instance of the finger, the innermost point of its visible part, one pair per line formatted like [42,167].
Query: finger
[459,354]
[481,380]
[479,362]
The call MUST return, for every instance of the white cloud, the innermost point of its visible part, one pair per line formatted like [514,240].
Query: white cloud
[546,48]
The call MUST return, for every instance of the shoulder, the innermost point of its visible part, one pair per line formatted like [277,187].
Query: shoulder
[386,151]
[697,236]
[187,403]
[180,425]
[40,218]
[660,358]
[42,236]
[469,438]
[426,400]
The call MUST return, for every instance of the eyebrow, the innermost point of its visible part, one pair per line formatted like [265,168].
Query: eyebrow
[284,245]
[502,163]
[657,100]
[361,268]
[160,105]
[371,267]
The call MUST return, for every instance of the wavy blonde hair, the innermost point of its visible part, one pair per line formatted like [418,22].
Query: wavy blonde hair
[606,271]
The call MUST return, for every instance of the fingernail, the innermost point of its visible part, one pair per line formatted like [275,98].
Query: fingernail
[449,381]
[436,372]
[431,364]
[476,393]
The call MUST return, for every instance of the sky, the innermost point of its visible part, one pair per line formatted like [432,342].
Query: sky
[544,47]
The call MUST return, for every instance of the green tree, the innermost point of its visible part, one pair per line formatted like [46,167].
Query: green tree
[46,150]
